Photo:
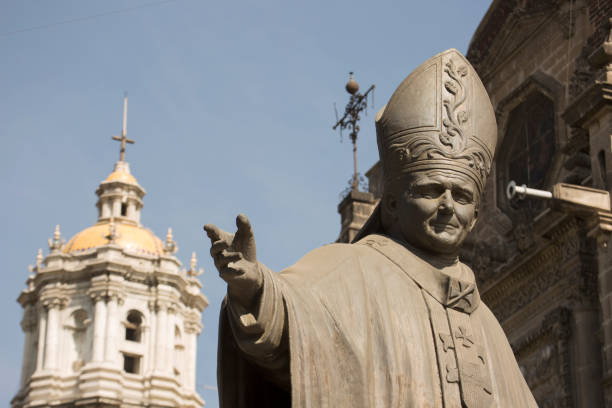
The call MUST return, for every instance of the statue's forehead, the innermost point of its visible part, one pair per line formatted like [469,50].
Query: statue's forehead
[441,176]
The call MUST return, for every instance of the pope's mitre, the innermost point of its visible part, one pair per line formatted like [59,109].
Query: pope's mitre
[440,117]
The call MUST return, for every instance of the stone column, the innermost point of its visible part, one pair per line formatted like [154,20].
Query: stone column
[131,210]
[52,337]
[106,209]
[28,324]
[112,327]
[42,333]
[161,337]
[116,212]
[99,333]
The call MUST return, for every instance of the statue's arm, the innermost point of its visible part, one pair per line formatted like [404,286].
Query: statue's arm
[260,329]
[254,304]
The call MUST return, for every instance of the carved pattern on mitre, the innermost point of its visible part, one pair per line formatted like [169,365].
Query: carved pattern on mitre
[439,117]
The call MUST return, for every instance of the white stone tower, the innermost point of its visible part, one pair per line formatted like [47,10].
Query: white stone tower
[110,318]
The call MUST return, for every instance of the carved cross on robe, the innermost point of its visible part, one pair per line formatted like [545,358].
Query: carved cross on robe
[460,295]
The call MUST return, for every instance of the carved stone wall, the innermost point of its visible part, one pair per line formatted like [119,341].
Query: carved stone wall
[544,275]
[539,270]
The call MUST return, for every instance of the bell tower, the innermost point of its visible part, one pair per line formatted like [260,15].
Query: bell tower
[110,317]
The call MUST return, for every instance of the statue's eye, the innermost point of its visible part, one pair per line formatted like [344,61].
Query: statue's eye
[463,197]
[428,191]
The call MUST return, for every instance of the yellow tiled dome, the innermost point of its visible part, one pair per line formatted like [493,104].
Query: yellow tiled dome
[119,175]
[135,238]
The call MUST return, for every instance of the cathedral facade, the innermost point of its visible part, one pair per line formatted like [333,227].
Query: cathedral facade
[546,273]
[110,317]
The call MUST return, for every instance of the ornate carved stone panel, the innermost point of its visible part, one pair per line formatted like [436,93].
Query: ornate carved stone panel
[544,359]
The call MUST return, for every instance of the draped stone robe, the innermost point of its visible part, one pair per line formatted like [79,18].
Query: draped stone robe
[370,324]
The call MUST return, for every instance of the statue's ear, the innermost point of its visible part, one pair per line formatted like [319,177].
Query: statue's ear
[473,223]
[390,205]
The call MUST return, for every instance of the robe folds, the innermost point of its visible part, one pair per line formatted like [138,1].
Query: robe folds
[370,324]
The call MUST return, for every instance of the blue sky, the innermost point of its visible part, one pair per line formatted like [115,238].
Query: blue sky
[231,107]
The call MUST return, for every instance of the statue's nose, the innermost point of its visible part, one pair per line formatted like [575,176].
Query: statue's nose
[446,202]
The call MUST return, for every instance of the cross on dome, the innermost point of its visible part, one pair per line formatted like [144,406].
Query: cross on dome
[123,139]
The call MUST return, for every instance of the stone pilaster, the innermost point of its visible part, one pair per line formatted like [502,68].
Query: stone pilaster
[111,353]
[161,338]
[192,330]
[54,301]
[42,332]
[28,324]
[99,300]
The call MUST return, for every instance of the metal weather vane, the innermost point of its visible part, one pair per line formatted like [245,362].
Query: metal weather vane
[357,104]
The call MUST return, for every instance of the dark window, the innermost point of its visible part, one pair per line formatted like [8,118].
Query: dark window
[123,210]
[131,364]
[528,147]
[133,326]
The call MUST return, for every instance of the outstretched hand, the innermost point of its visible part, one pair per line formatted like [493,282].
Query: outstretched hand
[236,259]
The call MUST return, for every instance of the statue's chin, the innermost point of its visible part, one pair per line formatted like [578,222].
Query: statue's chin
[443,242]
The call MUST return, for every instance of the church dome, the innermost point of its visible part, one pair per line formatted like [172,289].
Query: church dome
[134,238]
[121,175]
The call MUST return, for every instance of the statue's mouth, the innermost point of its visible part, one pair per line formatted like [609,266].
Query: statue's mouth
[444,226]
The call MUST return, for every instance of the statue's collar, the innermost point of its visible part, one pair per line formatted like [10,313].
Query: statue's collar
[453,285]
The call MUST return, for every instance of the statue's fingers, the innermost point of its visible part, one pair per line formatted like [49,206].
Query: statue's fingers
[232,270]
[225,258]
[245,230]
[217,247]
[213,232]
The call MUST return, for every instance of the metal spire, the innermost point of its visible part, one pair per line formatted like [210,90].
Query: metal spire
[123,139]
[357,103]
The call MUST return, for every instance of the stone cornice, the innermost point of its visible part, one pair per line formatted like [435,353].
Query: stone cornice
[94,268]
[556,322]
[520,266]
[530,276]
[588,103]
[501,23]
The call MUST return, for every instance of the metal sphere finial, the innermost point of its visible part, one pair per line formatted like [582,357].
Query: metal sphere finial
[352,86]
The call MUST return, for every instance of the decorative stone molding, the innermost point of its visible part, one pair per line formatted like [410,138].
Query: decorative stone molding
[54,297]
[193,326]
[544,359]
[97,294]
[526,280]
[104,289]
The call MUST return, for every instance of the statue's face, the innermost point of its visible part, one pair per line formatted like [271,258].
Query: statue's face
[434,210]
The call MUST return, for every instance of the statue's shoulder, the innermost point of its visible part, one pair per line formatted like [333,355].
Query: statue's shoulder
[332,254]
[328,260]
